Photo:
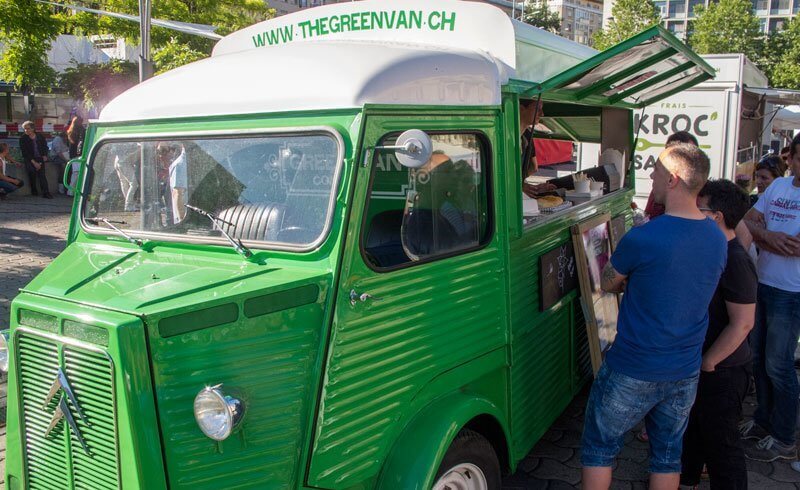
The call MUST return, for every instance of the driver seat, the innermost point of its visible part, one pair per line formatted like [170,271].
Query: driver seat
[260,222]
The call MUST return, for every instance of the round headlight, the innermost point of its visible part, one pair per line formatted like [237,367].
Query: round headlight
[217,415]
[4,352]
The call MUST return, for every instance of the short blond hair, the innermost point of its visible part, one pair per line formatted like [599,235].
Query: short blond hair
[28,124]
[688,162]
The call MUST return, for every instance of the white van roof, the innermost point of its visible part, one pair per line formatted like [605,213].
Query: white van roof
[345,55]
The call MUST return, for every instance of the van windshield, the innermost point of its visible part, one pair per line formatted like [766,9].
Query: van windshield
[275,189]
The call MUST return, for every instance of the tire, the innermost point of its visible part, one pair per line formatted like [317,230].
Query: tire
[470,463]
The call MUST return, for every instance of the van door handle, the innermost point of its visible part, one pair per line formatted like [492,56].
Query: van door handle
[355,297]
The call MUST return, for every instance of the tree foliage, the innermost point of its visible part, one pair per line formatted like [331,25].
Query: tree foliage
[538,14]
[27,30]
[628,18]
[728,26]
[785,72]
[174,54]
[96,84]
[226,15]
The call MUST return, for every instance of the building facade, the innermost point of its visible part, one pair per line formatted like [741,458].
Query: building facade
[580,19]
[678,15]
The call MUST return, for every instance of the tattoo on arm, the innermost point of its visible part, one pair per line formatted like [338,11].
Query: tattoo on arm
[609,273]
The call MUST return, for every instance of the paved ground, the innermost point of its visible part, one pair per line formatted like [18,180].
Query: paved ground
[33,231]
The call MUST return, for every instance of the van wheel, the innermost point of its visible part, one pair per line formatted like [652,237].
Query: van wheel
[469,464]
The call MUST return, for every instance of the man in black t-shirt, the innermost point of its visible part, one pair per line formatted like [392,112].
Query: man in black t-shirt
[712,437]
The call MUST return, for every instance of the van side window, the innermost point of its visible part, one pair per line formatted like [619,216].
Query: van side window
[433,211]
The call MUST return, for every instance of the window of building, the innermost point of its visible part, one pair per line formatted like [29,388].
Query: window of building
[661,6]
[677,10]
[777,24]
[761,7]
[437,210]
[781,7]
[693,4]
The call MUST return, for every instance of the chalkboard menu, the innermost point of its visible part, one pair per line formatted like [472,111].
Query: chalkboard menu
[558,275]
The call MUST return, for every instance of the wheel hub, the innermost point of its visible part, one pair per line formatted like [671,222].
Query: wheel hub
[464,476]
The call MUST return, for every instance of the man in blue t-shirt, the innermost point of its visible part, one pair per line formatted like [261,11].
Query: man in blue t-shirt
[668,270]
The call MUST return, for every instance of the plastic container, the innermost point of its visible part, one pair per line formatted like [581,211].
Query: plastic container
[582,185]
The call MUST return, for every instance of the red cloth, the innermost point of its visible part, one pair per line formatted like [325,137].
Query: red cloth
[550,152]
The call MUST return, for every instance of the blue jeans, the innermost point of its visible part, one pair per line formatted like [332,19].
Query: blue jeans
[7,187]
[773,342]
[618,402]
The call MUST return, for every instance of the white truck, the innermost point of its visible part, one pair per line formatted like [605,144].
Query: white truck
[726,114]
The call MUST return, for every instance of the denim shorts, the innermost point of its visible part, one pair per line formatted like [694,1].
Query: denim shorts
[618,402]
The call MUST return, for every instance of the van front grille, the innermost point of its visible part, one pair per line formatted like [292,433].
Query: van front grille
[58,460]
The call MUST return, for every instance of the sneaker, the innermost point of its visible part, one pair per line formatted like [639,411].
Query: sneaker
[751,430]
[769,449]
[48,196]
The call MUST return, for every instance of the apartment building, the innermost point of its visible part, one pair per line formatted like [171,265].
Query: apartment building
[678,15]
[580,19]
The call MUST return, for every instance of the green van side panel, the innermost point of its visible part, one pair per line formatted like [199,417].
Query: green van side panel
[139,445]
[271,363]
[431,318]
[550,358]
[414,460]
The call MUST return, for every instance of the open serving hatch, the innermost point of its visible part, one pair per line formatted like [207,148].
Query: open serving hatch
[637,72]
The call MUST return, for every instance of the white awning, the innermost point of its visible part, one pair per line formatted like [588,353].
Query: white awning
[781,96]
[787,118]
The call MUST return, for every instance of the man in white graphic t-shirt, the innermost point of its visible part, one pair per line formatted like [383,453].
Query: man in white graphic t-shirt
[774,222]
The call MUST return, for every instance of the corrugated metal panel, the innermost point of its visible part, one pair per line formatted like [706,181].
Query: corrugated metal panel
[268,362]
[550,354]
[430,318]
[58,460]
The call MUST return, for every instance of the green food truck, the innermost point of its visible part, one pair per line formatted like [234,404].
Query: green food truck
[306,261]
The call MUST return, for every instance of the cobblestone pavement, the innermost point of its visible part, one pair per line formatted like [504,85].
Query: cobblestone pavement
[33,232]
[555,461]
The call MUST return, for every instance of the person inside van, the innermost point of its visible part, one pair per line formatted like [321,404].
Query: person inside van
[530,111]
[441,213]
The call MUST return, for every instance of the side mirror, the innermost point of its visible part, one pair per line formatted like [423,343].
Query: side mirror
[413,149]
[71,171]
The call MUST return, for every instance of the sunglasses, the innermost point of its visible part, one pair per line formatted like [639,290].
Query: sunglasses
[708,209]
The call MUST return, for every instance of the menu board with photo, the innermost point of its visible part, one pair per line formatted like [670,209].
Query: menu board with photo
[593,248]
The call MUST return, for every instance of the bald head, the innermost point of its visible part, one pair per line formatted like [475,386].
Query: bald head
[689,163]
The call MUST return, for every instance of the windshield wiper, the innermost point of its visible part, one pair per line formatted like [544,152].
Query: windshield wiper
[240,248]
[110,223]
